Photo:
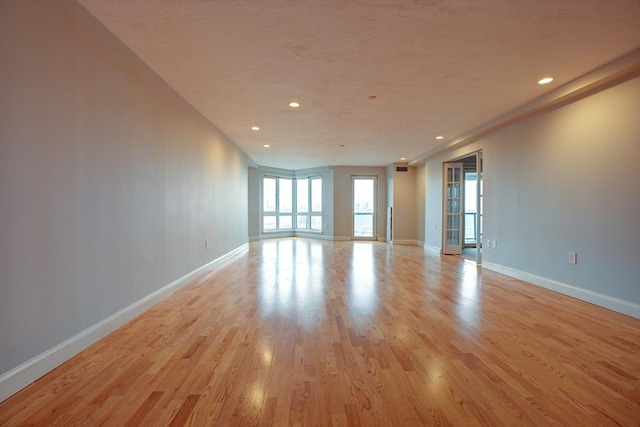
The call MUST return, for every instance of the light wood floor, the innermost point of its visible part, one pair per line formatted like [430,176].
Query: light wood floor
[304,332]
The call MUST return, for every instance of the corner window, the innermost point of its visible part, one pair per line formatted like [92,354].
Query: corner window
[291,204]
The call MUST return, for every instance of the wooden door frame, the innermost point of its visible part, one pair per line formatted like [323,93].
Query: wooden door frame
[479,203]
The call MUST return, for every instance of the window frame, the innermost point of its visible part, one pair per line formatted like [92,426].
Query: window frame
[276,212]
[293,214]
[310,213]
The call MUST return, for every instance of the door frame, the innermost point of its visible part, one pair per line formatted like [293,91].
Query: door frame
[374,178]
[479,200]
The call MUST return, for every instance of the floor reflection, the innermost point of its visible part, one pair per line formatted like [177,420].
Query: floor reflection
[468,303]
[291,277]
[363,292]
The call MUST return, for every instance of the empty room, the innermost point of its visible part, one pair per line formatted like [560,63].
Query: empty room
[319,213]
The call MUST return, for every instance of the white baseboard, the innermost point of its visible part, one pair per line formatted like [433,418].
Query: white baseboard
[313,236]
[292,234]
[276,235]
[611,303]
[405,242]
[21,376]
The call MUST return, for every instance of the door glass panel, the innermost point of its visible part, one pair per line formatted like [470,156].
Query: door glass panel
[363,225]
[363,207]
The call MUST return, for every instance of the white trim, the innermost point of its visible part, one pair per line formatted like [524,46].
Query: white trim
[280,235]
[420,243]
[374,178]
[312,235]
[618,71]
[276,235]
[611,303]
[405,242]
[21,376]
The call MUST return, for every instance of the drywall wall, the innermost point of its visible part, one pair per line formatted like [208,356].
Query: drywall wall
[342,199]
[252,204]
[420,192]
[110,183]
[390,213]
[560,181]
[404,204]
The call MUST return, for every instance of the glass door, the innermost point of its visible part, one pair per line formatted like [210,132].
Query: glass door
[364,208]
[453,231]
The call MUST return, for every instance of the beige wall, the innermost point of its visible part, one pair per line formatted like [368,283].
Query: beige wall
[109,181]
[565,180]
[404,204]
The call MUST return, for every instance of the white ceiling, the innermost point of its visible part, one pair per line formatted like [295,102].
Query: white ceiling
[436,67]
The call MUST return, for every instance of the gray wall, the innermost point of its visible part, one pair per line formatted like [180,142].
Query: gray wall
[420,193]
[109,181]
[565,180]
[254,209]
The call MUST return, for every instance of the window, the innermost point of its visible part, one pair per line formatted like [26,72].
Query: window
[277,209]
[309,204]
[291,203]
[269,204]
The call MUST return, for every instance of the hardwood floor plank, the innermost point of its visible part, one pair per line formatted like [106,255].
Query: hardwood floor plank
[309,332]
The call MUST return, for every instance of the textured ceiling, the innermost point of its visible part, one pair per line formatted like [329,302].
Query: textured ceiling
[435,67]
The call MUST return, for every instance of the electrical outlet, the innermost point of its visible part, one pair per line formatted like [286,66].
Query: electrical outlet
[489,243]
[495,244]
[573,257]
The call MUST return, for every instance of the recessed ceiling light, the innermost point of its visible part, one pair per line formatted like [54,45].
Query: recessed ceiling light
[266,146]
[255,128]
[294,104]
[403,158]
[439,137]
[545,80]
